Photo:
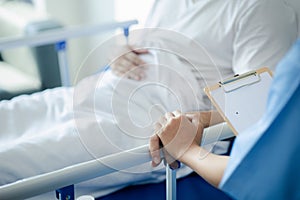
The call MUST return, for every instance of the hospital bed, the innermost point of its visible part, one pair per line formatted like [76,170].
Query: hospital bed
[62,181]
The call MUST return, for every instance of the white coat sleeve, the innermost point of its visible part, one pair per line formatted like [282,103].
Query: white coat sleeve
[264,32]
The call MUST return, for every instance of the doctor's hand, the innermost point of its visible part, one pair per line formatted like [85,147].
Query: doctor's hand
[129,64]
[176,134]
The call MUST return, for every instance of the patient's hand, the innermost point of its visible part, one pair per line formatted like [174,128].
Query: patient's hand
[177,133]
[129,63]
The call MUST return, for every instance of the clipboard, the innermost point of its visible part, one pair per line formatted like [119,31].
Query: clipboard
[241,100]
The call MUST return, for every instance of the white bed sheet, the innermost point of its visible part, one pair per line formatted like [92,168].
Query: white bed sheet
[60,127]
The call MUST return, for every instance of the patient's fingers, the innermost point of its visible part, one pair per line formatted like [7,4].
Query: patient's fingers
[129,72]
[170,160]
[162,120]
[176,113]
[135,74]
[134,59]
[169,115]
[157,127]
[123,65]
[130,65]
[135,70]
[140,51]
[154,148]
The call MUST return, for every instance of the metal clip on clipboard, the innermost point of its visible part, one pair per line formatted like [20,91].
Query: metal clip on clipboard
[235,83]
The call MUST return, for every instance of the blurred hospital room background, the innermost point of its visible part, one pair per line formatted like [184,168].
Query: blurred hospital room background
[26,70]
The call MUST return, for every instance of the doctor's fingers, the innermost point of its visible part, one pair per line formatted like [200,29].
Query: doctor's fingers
[154,147]
[194,118]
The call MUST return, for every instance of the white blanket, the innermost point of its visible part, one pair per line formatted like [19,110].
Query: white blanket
[103,114]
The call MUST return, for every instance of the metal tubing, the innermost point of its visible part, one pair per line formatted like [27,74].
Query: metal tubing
[170,183]
[40,184]
[99,167]
[53,36]
[63,63]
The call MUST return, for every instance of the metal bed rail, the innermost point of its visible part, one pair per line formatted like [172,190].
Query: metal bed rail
[71,175]
[59,37]
[54,36]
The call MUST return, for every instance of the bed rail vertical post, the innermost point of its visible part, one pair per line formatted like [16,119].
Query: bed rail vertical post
[63,63]
[170,183]
[126,34]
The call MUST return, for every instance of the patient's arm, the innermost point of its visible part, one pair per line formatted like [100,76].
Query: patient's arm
[180,135]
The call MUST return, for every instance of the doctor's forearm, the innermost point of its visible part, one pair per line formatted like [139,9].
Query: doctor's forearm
[210,118]
[208,165]
[207,118]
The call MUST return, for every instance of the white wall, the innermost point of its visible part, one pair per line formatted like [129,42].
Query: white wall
[79,12]
[133,9]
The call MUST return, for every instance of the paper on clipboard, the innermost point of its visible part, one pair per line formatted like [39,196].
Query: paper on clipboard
[241,100]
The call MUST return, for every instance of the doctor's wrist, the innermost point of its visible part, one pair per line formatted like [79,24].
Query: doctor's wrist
[210,118]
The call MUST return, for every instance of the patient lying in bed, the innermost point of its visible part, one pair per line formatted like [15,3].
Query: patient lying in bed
[106,113]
